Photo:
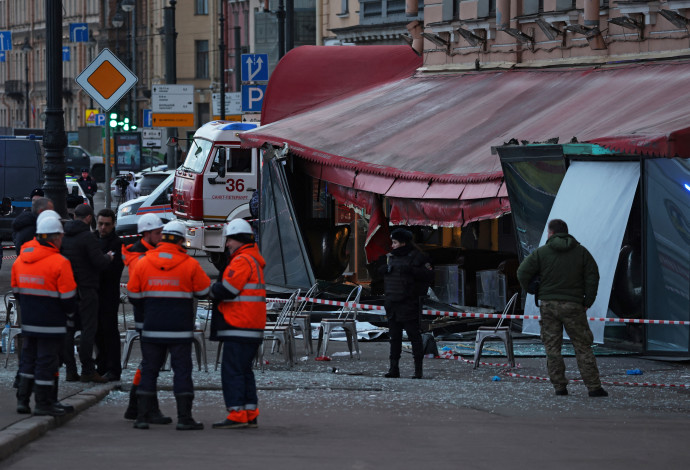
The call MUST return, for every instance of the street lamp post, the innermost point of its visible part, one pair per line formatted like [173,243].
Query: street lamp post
[128,6]
[54,138]
[221,49]
[26,48]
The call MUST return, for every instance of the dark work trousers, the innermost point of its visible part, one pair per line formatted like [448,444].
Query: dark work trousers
[88,315]
[237,375]
[40,359]
[414,334]
[67,352]
[108,340]
[153,358]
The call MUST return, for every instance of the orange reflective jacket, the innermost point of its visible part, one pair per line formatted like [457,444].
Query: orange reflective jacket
[245,314]
[131,253]
[164,283]
[43,282]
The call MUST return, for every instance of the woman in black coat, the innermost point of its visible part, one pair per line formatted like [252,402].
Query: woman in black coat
[407,275]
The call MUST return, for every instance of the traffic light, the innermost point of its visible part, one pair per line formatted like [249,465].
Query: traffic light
[120,122]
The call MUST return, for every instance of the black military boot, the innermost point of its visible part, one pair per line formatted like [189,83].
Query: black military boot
[145,403]
[56,402]
[156,415]
[394,370]
[418,368]
[24,389]
[131,411]
[44,402]
[185,422]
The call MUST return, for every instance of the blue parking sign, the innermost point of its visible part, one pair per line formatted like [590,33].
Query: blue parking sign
[252,98]
[100,119]
[148,118]
[79,32]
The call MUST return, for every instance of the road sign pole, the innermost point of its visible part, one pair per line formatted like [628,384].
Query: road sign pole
[107,165]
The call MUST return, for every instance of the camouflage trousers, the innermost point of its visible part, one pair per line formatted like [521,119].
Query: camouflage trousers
[556,315]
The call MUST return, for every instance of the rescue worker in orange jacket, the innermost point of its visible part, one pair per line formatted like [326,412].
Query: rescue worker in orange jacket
[242,302]
[164,283]
[43,283]
[150,227]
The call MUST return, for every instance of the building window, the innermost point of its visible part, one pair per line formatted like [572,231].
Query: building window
[201,7]
[344,9]
[201,59]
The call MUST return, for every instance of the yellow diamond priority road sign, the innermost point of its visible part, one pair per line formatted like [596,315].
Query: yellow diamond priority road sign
[106,79]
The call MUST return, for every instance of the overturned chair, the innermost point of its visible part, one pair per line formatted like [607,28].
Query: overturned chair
[498,332]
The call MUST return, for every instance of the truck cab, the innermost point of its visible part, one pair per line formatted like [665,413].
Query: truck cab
[215,184]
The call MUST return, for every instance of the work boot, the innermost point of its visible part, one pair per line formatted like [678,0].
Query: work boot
[185,422]
[56,402]
[24,389]
[252,416]
[418,368]
[44,402]
[131,411]
[394,370]
[599,392]
[156,415]
[145,403]
[237,419]
[94,377]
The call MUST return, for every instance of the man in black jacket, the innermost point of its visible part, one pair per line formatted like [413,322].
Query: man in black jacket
[406,277]
[83,250]
[24,226]
[107,333]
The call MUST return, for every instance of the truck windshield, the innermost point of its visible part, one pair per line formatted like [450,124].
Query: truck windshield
[196,157]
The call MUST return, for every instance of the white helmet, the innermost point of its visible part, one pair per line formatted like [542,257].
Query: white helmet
[47,214]
[236,227]
[49,225]
[174,228]
[148,222]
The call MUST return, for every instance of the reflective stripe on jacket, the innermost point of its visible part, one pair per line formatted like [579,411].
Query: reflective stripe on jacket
[164,283]
[245,314]
[43,282]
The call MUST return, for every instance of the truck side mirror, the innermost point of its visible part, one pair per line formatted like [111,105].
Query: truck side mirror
[222,161]
[6,207]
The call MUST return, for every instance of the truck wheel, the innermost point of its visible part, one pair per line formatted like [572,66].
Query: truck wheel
[218,260]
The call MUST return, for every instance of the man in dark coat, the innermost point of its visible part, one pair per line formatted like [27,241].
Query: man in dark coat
[24,226]
[407,275]
[83,250]
[88,185]
[107,333]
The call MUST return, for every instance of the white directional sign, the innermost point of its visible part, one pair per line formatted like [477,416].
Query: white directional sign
[106,79]
[151,137]
[233,103]
[172,98]
[254,67]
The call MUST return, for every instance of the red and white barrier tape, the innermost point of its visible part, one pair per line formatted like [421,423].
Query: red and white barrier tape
[443,313]
[468,361]
[633,384]
[10,257]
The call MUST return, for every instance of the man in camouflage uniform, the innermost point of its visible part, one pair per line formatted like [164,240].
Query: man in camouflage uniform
[569,283]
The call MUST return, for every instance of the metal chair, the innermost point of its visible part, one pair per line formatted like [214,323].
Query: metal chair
[15,329]
[281,332]
[498,332]
[302,317]
[346,319]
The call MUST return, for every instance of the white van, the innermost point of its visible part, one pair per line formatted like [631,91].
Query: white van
[158,202]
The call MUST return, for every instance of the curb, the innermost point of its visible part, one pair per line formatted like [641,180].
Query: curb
[19,434]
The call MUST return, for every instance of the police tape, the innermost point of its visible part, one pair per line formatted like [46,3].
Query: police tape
[546,379]
[10,257]
[445,313]
[632,384]
[453,357]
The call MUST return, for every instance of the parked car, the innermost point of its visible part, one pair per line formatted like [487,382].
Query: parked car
[158,202]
